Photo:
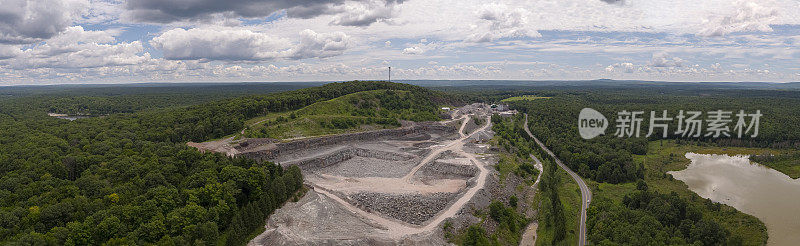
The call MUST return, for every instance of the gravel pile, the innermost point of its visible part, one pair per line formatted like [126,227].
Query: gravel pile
[446,170]
[411,208]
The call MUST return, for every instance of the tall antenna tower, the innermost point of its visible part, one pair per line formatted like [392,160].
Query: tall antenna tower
[390,74]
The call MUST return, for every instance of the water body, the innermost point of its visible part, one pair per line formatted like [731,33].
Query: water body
[69,117]
[769,195]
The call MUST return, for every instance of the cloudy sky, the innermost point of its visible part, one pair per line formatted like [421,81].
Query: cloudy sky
[125,41]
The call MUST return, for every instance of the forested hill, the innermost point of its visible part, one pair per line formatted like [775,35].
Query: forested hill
[358,111]
[128,98]
[130,179]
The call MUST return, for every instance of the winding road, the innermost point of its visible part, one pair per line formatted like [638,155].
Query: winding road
[586,193]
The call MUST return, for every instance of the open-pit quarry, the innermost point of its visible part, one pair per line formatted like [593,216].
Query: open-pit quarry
[391,186]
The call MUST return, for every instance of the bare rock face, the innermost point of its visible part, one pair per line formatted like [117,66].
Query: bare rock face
[340,155]
[272,150]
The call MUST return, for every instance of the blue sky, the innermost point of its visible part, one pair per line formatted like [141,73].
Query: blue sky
[93,41]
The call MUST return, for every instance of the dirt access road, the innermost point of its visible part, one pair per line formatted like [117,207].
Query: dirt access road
[529,235]
[398,229]
[586,193]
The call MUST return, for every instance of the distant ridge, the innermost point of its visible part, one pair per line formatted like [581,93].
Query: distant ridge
[604,83]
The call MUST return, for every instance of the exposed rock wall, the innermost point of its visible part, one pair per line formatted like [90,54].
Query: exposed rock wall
[272,151]
[323,160]
[344,154]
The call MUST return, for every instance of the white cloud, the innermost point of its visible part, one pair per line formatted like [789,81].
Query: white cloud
[29,21]
[78,48]
[313,44]
[413,50]
[501,21]
[748,16]
[625,67]
[219,44]
[421,48]
[9,51]
[207,39]
[662,59]
[364,13]
[238,44]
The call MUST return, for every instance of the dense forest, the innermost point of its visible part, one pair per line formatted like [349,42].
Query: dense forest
[641,216]
[98,100]
[649,218]
[608,158]
[553,218]
[129,178]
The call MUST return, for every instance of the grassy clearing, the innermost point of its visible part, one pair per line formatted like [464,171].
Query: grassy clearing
[787,162]
[788,167]
[523,98]
[361,111]
[317,125]
[664,156]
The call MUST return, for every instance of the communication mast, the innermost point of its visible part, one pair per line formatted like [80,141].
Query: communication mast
[390,74]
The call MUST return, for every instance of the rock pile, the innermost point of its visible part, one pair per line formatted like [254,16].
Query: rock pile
[445,170]
[411,208]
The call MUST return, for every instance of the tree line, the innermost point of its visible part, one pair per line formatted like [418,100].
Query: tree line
[130,179]
[608,158]
[513,138]
[648,217]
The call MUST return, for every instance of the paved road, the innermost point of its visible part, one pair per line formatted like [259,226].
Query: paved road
[586,194]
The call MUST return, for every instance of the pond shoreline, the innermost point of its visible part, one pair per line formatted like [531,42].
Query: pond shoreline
[749,187]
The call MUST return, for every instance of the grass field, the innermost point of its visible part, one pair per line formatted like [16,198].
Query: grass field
[787,162]
[523,98]
[788,167]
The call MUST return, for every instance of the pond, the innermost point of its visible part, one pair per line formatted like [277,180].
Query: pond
[765,193]
[69,117]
